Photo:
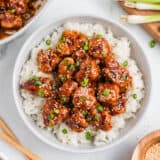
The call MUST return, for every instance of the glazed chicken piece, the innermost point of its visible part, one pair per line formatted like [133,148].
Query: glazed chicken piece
[53,112]
[120,107]
[20,6]
[66,90]
[99,48]
[108,93]
[47,60]
[77,121]
[119,76]
[111,62]
[70,42]
[84,98]
[39,86]
[66,68]
[88,69]
[2,5]
[10,21]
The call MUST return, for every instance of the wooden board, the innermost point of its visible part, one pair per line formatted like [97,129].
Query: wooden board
[152,28]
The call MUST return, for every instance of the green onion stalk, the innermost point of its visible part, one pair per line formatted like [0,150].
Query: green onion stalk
[145,1]
[137,19]
[142,6]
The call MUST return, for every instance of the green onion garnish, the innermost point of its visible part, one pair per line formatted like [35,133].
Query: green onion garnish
[86,45]
[137,19]
[89,67]
[84,112]
[78,63]
[123,78]
[98,36]
[51,117]
[89,119]
[48,42]
[84,83]
[96,117]
[83,98]
[12,10]
[64,131]
[106,93]
[152,43]
[63,99]
[63,78]
[125,63]
[41,93]
[57,111]
[71,67]
[88,136]
[62,39]
[103,53]
[134,96]
[100,108]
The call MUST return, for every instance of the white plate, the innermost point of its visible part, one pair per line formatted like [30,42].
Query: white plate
[136,53]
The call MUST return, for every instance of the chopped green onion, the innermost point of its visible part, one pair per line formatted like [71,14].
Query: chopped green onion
[100,108]
[12,10]
[106,93]
[89,67]
[41,93]
[62,39]
[125,63]
[48,42]
[123,78]
[71,67]
[89,119]
[98,36]
[34,78]
[57,111]
[63,78]
[88,136]
[142,6]
[64,131]
[84,112]
[144,1]
[134,96]
[84,83]
[86,45]
[96,117]
[78,63]
[64,99]
[38,83]
[103,53]
[83,98]
[152,43]
[51,117]
[137,19]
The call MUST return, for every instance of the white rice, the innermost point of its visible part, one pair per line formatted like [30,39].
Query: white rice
[121,48]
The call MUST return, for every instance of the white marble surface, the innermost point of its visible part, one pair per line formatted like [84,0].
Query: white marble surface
[104,8]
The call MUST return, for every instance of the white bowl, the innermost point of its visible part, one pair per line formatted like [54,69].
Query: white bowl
[23,29]
[137,54]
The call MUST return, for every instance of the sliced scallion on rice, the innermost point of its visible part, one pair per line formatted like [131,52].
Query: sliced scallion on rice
[48,42]
[137,19]
[64,131]
[134,96]
[88,136]
[152,43]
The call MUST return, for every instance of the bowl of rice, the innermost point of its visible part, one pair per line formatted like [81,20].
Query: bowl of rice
[127,53]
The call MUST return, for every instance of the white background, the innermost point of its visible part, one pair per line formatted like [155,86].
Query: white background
[104,8]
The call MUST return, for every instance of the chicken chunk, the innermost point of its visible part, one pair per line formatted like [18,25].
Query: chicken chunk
[108,93]
[70,42]
[53,112]
[119,76]
[84,98]
[77,121]
[20,6]
[66,68]
[2,6]
[39,86]
[88,69]
[47,60]
[111,62]
[120,107]
[66,90]
[10,21]
[99,48]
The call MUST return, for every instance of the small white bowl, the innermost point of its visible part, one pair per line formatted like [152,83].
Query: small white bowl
[23,29]
[137,54]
